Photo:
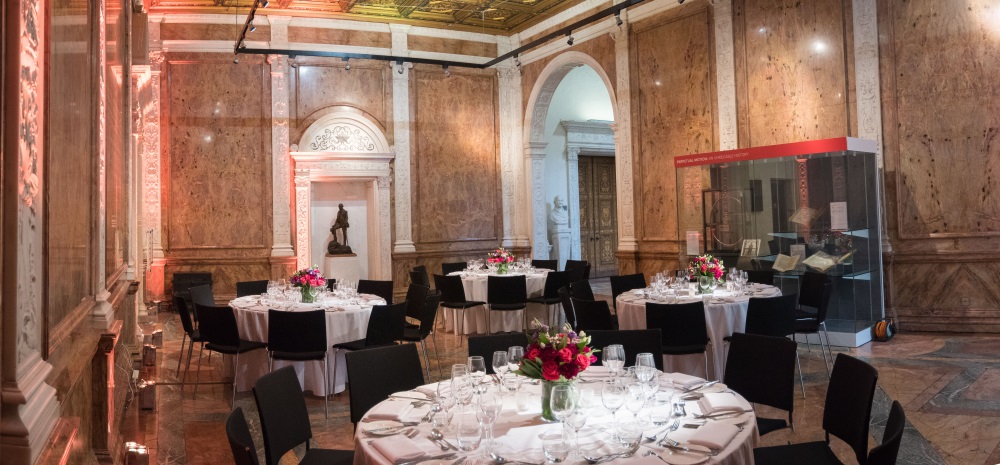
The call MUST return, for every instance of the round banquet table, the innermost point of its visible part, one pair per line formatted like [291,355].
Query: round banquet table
[519,426]
[473,320]
[725,314]
[346,320]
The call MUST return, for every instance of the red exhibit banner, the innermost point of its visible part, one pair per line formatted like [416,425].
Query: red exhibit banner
[838,144]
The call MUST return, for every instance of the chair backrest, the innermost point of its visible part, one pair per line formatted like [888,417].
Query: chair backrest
[451,267]
[546,264]
[579,273]
[451,289]
[430,311]
[581,290]
[567,305]
[634,341]
[625,283]
[421,276]
[376,373]
[415,295]
[811,289]
[202,295]
[218,325]
[592,315]
[680,324]
[386,324]
[762,369]
[760,276]
[554,281]
[484,346]
[240,440]
[182,310]
[251,288]
[886,453]
[771,316]
[296,331]
[506,289]
[849,403]
[573,264]
[284,419]
[382,289]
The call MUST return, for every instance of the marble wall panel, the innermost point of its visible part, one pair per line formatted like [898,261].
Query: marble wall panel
[793,68]
[225,273]
[673,88]
[69,162]
[455,156]
[116,137]
[217,193]
[455,46]
[176,31]
[563,24]
[317,35]
[601,49]
[321,84]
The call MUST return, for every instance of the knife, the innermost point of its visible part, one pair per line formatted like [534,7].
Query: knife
[686,450]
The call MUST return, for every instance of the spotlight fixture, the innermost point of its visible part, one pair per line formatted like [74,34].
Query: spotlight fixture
[618,19]
[680,2]
[253,27]
[399,64]
[447,72]
[266,3]
[517,60]
[347,63]
[236,59]
[570,40]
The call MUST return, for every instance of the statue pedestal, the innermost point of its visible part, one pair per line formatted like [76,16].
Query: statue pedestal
[343,267]
[560,239]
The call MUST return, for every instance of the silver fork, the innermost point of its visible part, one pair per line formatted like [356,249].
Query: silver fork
[673,427]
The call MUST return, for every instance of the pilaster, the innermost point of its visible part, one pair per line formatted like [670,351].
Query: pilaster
[573,167]
[151,197]
[302,187]
[401,137]
[535,157]
[101,315]
[511,120]
[725,74]
[280,157]
[623,138]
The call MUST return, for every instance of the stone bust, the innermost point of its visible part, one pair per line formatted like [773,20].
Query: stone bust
[559,216]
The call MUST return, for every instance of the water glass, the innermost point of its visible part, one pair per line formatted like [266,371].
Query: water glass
[555,446]
[477,367]
[500,364]
[613,357]
[514,356]
[469,432]
[629,434]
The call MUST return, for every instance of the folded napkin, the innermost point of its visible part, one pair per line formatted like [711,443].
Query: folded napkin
[714,435]
[683,381]
[399,448]
[391,409]
[718,402]
[429,390]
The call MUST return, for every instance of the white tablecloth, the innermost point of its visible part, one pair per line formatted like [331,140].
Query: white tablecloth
[725,314]
[473,320]
[345,321]
[519,427]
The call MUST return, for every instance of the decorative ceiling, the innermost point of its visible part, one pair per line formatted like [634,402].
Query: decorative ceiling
[488,16]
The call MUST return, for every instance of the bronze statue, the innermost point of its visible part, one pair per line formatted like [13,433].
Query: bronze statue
[335,247]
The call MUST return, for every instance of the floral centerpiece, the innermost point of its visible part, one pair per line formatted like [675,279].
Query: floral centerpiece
[555,358]
[307,280]
[502,257]
[708,267]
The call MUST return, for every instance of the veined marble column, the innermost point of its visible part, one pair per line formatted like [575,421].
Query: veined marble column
[511,121]
[401,137]
[302,214]
[539,227]
[30,408]
[726,74]
[573,167]
[280,159]
[623,139]
[102,315]
[151,196]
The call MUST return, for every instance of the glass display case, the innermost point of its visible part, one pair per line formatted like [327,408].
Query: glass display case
[812,206]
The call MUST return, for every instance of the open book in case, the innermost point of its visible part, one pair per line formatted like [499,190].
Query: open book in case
[807,206]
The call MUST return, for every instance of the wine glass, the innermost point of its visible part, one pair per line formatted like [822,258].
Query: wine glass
[613,357]
[489,409]
[562,401]
[645,367]
[477,367]
[613,395]
[514,356]
[575,421]
[500,365]
[635,398]
[713,284]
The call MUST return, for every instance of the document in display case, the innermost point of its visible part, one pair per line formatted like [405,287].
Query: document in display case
[811,206]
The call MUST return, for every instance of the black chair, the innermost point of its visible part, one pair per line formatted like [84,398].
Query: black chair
[554,281]
[762,369]
[581,290]
[284,421]
[624,283]
[578,264]
[419,333]
[419,275]
[240,440]
[484,346]
[331,283]
[567,304]
[453,297]
[299,336]
[377,373]
[448,268]
[386,325]
[774,316]
[382,289]
[760,276]
[634,341]
[546,264]
[415,295]
[815,293]
[846,415]
[190,332]
[886,453]
[593,315]
[221,334]
[682,327]
[251,288]
[506,294]
[201,295]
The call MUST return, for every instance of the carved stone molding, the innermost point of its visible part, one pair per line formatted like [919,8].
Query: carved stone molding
[539,228]
[100,53]
[510,141]
[725,74]
[866,72]
[302,186]
[151,196]
[592,138]
[279,30]
[280,159]
[623,142]
[401,139]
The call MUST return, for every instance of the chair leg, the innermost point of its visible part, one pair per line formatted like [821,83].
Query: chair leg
[823,351]
[187,368]
[828,347]
[236,372]
[333,382]
[198,376]
[270,362]
[437,356]
[427,362]
[181,356]
[802,384]
[326,385]
[488,311]
[707,374]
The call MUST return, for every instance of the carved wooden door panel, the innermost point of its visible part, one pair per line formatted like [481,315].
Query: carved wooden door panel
[598,215]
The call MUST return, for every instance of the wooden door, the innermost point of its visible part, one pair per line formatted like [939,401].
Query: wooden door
[598,215]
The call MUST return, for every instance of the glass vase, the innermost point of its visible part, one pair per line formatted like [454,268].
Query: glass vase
[547,387]
[502,268]
[704,284]
[308,294]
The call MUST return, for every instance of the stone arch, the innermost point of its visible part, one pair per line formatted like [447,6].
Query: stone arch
[342,130]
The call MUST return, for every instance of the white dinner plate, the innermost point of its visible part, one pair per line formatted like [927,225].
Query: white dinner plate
[382,428]
[676,457]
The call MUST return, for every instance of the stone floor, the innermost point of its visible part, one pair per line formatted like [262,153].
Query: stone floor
[948,384]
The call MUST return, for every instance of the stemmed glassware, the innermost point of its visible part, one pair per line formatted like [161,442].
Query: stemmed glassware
[562,401]
[490,405]
[477,370]
[613,395]
[514,356]
[461,384]
[576,421]
[500,364]
[613,357]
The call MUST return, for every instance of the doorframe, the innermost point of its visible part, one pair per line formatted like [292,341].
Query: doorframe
[589,138]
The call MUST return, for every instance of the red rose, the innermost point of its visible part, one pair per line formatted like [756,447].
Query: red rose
[569,370]
[583,360]
[549,356]
[564,355]
[532,353]
[550,371]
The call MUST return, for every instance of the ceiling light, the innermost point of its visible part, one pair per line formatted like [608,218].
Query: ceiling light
[236,59]
[517,60]
[447,73]
[253,27]
[680,2]
[266,3]
[347,63]
[570,40]
[399,63]
[618,19]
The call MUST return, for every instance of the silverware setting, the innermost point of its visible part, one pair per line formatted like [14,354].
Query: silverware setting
[676,446]
[447,456]
[609,457]
[501,460]
[712,416]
